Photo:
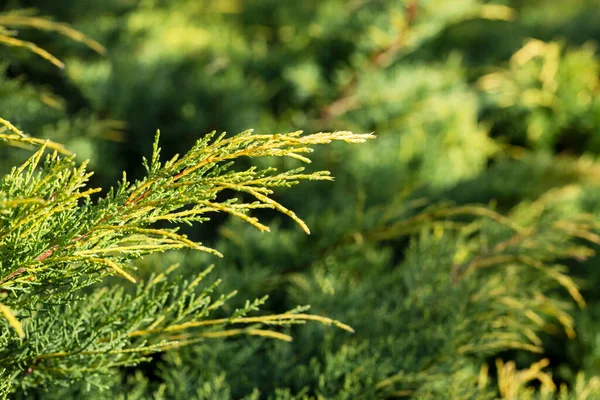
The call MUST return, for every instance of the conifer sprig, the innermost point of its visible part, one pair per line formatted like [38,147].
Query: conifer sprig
[55,241]
[50,222]
[114,327]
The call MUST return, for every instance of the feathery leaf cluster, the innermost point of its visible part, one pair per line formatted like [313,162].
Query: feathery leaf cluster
[57,242]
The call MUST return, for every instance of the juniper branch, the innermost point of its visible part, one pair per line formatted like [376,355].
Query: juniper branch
[55,231]
[55,240]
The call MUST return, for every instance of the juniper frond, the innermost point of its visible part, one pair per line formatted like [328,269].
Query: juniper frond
[113,327]
[55,240]
[52,230]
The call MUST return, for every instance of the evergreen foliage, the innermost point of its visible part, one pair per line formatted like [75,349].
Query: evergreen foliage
[56,243]
[459,247]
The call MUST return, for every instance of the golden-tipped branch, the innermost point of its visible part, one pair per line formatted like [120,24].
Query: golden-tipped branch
[106,235]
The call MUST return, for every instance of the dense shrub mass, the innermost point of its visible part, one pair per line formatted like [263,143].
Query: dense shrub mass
[457,249]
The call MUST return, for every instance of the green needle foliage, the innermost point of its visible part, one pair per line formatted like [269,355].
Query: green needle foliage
[56,243]
[461,246]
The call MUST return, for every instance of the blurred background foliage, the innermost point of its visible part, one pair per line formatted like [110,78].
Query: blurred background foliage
[461,237]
